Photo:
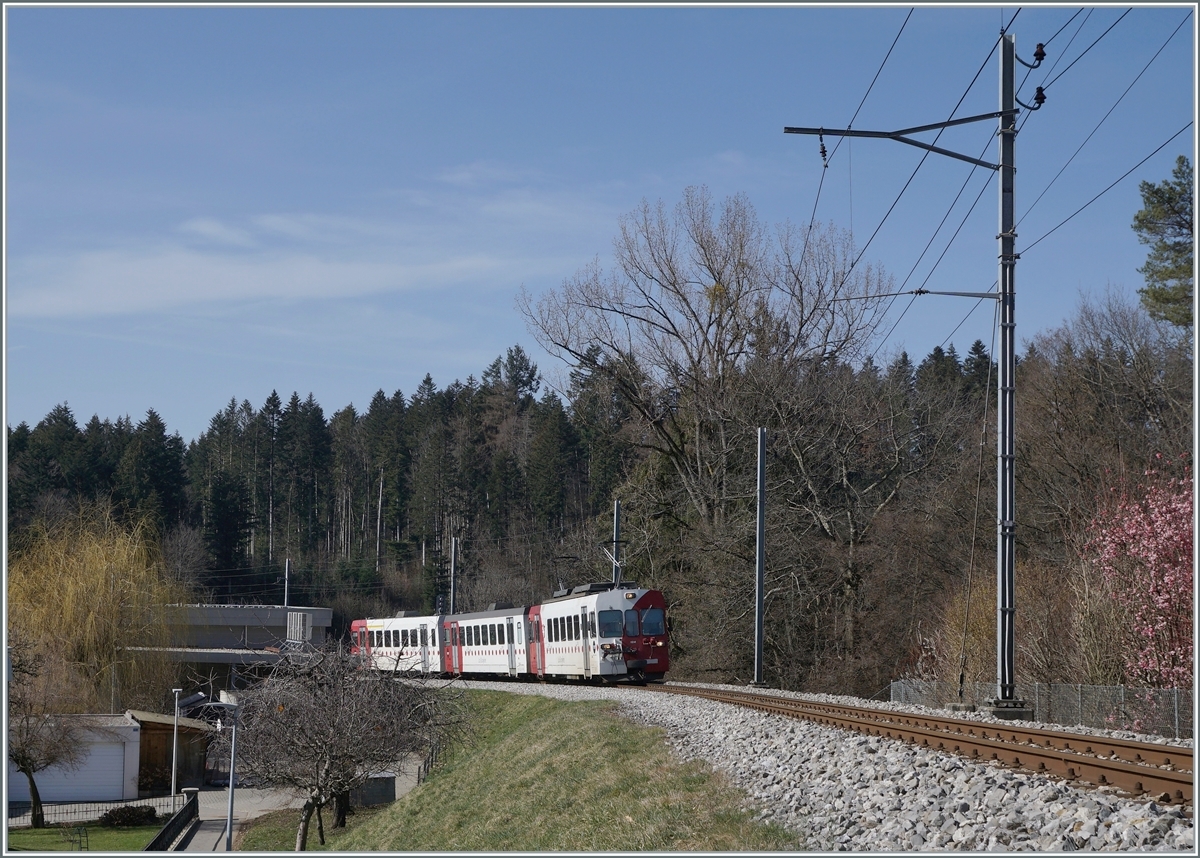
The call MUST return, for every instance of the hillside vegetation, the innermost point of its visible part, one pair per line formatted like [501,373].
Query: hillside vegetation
[548,775]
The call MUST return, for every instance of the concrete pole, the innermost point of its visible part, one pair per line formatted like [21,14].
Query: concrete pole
[760,557]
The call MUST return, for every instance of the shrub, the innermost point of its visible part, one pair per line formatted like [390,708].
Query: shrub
[128,817]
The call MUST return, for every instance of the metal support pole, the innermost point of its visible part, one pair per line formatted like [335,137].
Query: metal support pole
[232,779]
[1005,512]
[759,556]
[287,569]
[616,556]
[453,552]
[175,748]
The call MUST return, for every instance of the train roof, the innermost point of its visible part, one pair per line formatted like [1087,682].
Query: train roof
[588,589]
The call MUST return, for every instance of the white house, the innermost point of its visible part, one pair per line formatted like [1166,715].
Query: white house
[109,771]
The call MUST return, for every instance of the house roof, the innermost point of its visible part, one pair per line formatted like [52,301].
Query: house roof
[169,720]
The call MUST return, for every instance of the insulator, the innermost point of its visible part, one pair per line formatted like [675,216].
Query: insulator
[1039,52]
[823,154]
[1039,97]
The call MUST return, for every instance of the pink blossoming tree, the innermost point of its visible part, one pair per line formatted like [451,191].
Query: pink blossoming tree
[1142,543]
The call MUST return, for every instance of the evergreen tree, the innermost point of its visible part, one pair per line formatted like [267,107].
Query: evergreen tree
[1165,222]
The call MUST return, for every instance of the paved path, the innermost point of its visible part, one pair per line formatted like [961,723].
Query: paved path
[209,835]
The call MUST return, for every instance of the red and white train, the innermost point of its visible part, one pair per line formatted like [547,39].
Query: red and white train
[594,632]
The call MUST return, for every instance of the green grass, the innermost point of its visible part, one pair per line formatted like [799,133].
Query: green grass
[100,839]
[548,775]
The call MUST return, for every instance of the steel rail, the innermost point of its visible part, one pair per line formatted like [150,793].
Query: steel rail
[1136,767]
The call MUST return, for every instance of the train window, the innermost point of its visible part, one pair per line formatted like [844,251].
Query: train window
[592,624]
[500,634]
[575,627]
[474,635]
[652,622]
[424,637]
[492,634]
[387,637]
[610,624]
[631,623]
[551,628]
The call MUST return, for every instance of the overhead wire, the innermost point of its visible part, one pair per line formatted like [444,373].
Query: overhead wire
[895,202]
[813,219]
[1028,114]
[1109,188]
[1106,115]
[1077,211]
[1085,50]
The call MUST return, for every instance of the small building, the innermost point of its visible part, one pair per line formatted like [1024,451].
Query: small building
[109,771]
[157,749]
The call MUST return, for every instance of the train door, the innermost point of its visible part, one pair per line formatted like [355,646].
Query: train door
[537,650]
[512,647]
[586,638]
[424,648]
[452,633]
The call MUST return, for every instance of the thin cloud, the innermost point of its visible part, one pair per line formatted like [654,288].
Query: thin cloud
[127,281]
[217,232]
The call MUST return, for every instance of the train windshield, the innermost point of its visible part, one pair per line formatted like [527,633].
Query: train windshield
[611,624]
[652,622]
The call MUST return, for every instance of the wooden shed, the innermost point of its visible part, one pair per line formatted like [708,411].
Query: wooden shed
[154,772]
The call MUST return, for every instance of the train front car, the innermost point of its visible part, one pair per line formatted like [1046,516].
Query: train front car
[600,632]
[643,634]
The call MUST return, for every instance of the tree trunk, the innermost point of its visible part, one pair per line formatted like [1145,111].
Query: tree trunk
[36,814]
[342,808]
[320,826]
[302,831]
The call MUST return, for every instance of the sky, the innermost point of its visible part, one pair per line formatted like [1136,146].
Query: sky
[205,203]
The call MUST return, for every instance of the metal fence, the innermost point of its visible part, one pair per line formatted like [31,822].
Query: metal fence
[1155,711]
[60,813]
[176,825]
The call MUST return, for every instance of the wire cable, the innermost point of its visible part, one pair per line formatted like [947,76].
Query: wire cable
[1110,187]
[895,202]
[813,219]
[1085,50]
[962,653]
[1106,115]
[1063,27]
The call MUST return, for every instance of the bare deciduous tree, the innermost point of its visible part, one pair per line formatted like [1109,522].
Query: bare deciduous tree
[320,724]
[39,737]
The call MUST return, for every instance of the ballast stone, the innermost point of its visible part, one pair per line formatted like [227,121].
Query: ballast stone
[852,793]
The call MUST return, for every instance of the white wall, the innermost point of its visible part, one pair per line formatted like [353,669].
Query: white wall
[108,773]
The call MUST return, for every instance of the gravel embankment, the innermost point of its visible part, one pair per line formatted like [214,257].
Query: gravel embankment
[845,791]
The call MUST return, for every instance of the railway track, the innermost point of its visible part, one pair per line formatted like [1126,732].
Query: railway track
[1140,768]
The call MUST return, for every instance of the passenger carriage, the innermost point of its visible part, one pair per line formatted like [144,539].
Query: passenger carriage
[594,632]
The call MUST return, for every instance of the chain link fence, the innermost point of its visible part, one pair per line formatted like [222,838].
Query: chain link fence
[1155,711]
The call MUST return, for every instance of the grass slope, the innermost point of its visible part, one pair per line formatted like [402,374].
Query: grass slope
[548,775]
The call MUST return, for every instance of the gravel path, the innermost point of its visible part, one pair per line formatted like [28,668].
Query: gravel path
[847,792]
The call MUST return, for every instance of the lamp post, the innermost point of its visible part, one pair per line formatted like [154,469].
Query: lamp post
[175,748]
[232,708]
